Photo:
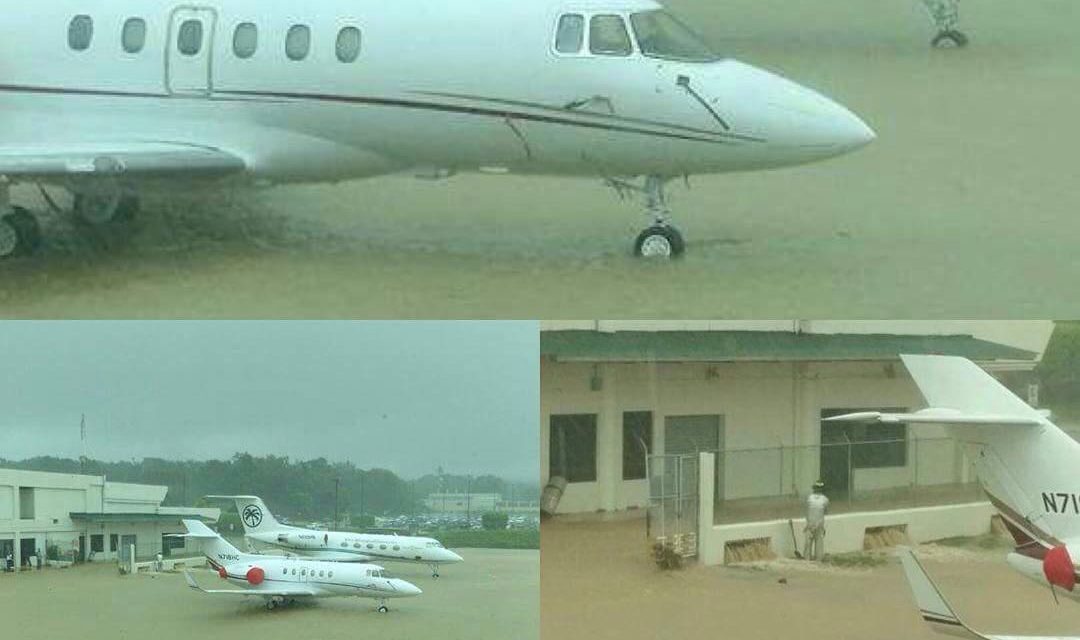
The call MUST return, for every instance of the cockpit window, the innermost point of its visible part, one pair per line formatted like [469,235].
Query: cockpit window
[570,34]
[608,36]
[660,35]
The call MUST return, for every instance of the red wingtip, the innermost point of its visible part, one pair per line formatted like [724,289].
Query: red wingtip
[1058,568]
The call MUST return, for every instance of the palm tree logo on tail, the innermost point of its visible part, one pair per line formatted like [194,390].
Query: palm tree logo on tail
[252,515]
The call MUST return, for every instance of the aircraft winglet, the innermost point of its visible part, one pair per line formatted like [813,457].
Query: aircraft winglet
[932,605]
[191,581]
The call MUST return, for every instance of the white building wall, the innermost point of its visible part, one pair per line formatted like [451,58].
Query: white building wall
[764,406]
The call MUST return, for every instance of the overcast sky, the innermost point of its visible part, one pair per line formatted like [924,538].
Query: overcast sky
[406,396]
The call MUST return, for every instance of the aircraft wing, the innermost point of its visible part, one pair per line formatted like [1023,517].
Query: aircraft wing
[135,159]
[939,416]
[938,613]
[291,593]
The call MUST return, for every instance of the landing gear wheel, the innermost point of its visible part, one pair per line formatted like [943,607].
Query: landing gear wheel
[20,233]
[271,605]
[659,241]
[105,206]
[383,608]
[949,38]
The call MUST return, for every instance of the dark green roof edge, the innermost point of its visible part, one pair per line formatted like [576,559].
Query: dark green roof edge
[112,517]
[731,346]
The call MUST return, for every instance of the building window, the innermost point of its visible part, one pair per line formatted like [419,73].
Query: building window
[114,541]
[298,42]
[245,40]
[189,38]
[97,542]
[80,32]
[573,447]
[870,446]
[133,36]
[26,503]
[570,34]
[636,443]
[608,36]
[348,44]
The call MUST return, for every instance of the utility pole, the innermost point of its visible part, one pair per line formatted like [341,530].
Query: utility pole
[362,483]
[337,484]
[468,500]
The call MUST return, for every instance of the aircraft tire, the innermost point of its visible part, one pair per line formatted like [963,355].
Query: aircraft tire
[383,608]
[952,37]
[22,233]
[659,241]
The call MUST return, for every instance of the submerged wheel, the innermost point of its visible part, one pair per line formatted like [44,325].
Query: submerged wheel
[20,233]
[271,605]
[106,206]
[949,38]
[383,608]
[659,241]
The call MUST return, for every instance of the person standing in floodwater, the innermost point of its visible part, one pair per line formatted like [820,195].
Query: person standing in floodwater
[814,539]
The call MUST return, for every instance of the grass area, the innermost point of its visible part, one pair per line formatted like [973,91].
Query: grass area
[985,541]
[857,559]
[494,539]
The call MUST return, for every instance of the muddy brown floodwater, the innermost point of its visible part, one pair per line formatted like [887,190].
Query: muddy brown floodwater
[598,583]
[964,206]
[492,595]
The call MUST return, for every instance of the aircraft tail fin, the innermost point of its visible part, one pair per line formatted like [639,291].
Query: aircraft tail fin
[214,547]
[932,605]
[254,514]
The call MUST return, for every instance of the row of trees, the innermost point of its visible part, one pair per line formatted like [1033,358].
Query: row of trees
[296,489]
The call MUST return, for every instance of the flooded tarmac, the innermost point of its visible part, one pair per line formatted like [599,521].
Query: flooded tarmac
[492,595]
[965,205]
[598,583]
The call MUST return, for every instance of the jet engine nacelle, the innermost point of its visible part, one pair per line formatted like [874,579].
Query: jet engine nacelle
[255,576]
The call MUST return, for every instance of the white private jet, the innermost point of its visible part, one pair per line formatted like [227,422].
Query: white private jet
[1026,464]
[281,580]
[937,612]
[262,529]
[109,98]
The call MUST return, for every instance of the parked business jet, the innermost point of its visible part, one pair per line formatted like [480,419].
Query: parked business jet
[937,612]
[261,528]
[281,580]
[109,98]
[1027,465]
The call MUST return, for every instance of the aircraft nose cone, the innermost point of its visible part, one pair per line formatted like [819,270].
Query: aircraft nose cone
[453,557]
[408,588]
[847,130]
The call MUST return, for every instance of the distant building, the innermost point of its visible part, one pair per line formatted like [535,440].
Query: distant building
[87,517]
[462,502]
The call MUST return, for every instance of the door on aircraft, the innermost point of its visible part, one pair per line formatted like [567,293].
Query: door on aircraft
[189,50]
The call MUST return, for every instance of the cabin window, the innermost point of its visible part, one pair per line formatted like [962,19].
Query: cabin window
[357,545]
[382,546]
[321,573]
[348,44]
[245,40]
[189,37]
[285,571]
[294,571]
[298,42]
[608,36]
[370,546]
[570,34]
[80,32]
[133,36]
[344,544]
[660,35]
[330,574]
[397,548]
[303,572]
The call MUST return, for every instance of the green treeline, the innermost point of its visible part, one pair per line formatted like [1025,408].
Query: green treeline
[295,489]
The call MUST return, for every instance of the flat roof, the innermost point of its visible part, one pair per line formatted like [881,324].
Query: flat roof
[763,346]
[135,517]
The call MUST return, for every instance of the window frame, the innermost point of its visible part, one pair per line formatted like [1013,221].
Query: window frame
[89,21]
[298,27]
[583,50]
[128,22]
[359,43]
[236,32]
[591,471]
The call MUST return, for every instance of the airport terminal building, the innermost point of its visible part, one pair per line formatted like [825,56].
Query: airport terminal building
[615,395]
[86,518]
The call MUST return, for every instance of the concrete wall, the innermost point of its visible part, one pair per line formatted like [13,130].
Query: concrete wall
[764,406]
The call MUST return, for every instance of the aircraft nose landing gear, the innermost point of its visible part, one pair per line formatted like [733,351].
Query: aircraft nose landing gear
[382,606]
[434,571]
[946,17]
[660,239]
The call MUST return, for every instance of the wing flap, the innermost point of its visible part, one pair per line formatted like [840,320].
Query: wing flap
[139,159]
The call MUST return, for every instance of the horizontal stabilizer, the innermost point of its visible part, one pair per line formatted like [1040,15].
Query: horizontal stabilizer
[937,612]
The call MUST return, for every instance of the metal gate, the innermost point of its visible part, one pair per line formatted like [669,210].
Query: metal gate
[673,502]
